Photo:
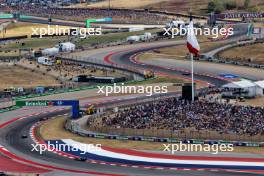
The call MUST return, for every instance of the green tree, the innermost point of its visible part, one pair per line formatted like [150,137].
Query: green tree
[246,4]
[216,6]
[219,7]
[231,4]
[211,6]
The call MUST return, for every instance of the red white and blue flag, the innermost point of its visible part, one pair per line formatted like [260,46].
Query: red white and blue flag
[192,43]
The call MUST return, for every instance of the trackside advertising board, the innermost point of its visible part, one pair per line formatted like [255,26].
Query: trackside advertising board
[73,103]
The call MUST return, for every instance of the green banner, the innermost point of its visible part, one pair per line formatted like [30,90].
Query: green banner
[88,21]
[32,103]
[4,16]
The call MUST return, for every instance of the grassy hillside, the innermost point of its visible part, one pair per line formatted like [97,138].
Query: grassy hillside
[198,7]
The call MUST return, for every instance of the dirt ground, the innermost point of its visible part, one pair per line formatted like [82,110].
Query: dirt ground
[53,129]
[253,52]
[21,28]
[254,102]
[69,70]
[14,76]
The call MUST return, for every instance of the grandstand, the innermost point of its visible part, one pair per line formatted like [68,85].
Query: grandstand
[176,115]
[118,15]
[132,89]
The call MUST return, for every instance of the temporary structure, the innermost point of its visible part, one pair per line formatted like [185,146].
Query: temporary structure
[243,88]
[260,87]
[67,46]
[50,51]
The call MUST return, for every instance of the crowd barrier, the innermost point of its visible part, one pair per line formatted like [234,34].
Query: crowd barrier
[74,90]
[14,38]
[9,58]
[182,134]
[134,71]
[11,108]
[95,62]
[74,127]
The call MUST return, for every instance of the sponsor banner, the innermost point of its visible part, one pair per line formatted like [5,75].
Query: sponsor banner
[240,15]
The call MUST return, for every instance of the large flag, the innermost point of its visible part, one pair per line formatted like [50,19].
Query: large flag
[192,43]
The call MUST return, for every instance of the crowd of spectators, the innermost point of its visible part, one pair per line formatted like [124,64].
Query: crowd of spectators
[212,90]
[118,15]
[175,114]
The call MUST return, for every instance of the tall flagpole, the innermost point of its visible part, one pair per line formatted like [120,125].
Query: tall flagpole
[192,63]
[192,78]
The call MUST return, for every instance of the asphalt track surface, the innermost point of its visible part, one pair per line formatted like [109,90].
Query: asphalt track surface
[120,55]
[10,137]
[125,58]
[204,71]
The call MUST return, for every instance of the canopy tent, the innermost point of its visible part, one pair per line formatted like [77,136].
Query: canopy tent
[240,84]
[260,84]
[260,87]
[243,88]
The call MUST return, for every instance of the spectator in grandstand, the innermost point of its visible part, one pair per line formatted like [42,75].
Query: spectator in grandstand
[179,114]
[118,15]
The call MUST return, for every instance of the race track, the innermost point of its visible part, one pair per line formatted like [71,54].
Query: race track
[10,134]
[10,137]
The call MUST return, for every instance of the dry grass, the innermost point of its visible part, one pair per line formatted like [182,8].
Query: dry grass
[180,51]
[14,76]
[179,6]
[20,28]
[253,52]
[254,102]
[53,129]
[122,4]
[12,48]
[69,71]
[198,7]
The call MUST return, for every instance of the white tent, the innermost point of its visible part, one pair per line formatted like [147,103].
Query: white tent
[67,46]
[44,61]
[244,88]
[133,38]
[50,51]
[260,87]
[240,84]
